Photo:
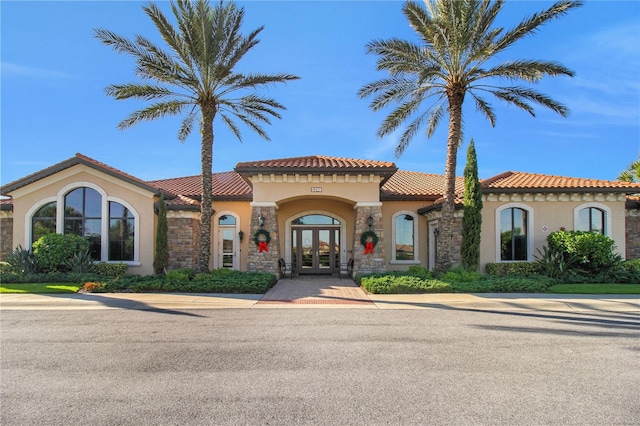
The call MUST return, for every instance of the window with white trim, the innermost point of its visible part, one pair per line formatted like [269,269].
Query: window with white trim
[592,217]
[404,237]
[43,221]
[514,234]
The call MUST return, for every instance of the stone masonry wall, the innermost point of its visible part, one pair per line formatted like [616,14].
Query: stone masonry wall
[632,234]
[267,261]
[366,263]
[183,235]
[6,236]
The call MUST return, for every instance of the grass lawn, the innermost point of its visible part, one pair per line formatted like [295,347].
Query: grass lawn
[39,288]
[595,289]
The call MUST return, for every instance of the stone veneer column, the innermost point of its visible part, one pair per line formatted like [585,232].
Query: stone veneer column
[6,233]
[366,263]
[183,238]
[267,261]
[632,234]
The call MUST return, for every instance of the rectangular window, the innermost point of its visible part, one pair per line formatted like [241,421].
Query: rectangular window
[513,234]
[121,233]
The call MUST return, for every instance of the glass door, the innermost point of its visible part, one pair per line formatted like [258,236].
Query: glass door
[317,249]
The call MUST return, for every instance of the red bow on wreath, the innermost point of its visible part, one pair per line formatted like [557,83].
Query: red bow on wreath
[368,248]
[262,246]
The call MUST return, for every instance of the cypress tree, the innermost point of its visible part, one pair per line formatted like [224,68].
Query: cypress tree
[161,258]
[472,219]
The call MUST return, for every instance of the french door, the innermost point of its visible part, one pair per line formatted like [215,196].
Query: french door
[316,250]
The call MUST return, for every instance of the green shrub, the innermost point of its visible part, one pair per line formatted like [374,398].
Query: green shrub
[594,252]
[506,284]
[182,274]
[52,250]
[109,269]
[460,275]
[80,262]
[631,265]
[21,261]
[512,268]
[419,271]
[393,284]
[553,263]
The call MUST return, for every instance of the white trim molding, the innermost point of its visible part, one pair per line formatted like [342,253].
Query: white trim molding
[530,230]
[605,209]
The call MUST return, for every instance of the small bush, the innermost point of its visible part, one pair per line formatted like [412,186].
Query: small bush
[512,268]
[80,262]
[394,284]
[631,265]
[594,252]
[109,269]
[506,284]
[52,250]
[182,274]
[460,275]
[21,261]
[93,287]
[419,271]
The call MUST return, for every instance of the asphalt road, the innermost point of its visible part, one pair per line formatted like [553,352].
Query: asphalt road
[318,366]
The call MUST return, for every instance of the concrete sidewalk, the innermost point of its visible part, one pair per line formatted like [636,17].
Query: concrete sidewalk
[482,302]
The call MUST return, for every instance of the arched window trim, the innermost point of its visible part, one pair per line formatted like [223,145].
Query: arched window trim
[530,230]
[605,209]
[104,223]
[217,264]
[416,242]
[28,218]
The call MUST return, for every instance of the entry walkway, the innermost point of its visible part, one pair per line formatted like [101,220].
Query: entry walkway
[315,290]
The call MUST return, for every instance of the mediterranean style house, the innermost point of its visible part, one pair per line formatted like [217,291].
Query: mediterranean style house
[310,211]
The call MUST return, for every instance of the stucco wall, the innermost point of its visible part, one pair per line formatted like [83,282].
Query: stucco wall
[28,199]
[550,213]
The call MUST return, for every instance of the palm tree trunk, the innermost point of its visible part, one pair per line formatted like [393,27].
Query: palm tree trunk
[446,238]
[206,208]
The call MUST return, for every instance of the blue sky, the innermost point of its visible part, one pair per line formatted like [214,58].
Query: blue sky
[53,74]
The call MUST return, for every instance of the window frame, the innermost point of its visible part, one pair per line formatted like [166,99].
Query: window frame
[530,231]
[607,216]
[416,239]
[104,229]
[217,246]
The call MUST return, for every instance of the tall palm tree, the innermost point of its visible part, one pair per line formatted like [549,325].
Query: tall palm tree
[196,76]
[452,60]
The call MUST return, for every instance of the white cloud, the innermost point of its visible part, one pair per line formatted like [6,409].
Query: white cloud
[11,69]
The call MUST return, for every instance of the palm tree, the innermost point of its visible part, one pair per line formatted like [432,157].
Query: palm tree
[451,61]
[632,174]
[196,76]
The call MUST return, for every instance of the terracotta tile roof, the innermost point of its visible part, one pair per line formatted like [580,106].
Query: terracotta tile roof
[318,163]
[406,185]
[225,185]
[520,182]
[77,159]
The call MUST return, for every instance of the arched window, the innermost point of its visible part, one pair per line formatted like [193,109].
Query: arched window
[43,221]
[405,244]
[83,216]
[227,242]
[315,219]
[514,226]
[121,233]
[592,219]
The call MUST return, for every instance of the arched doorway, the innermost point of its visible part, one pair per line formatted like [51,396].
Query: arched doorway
[314,243]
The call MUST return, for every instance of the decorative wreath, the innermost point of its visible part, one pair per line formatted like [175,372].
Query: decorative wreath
[262,239]
[364,238]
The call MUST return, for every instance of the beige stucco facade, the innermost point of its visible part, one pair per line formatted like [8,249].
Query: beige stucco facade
[548,213]
[28,199]
[353,200]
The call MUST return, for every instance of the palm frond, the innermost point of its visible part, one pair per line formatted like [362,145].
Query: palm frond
[397,116]
[138,91]
[152,112]
[520,93]
[530,25]
[484,107]
[231,125]
[187,125]
[531,71]
[434,119]
[408,134]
